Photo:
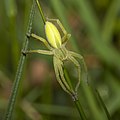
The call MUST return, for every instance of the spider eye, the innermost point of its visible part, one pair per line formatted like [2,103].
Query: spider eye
[53,35]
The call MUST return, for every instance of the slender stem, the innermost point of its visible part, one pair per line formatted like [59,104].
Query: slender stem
[40,10]
[75,98]
[103,105]
[80,110]
[12,100]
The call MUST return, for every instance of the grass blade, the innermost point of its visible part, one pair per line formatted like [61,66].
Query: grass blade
[90,98]
[109,20]
[99,44]
[80,110]
[103,105]
[76,101]
[16,84]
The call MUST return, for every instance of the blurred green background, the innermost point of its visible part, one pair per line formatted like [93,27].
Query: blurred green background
[95,29]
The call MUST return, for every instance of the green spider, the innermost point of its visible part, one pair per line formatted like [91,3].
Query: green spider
[57,47]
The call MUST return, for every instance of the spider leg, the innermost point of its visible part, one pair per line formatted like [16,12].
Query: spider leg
[63,79]
[39,39]
[76,63]
[84,74]
[60,77]
[66,35]
[59,23]
[38,51]
[70,90]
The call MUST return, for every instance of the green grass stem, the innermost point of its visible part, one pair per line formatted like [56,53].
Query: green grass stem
[80,110]
[12,100]
[76,101]
[40,10]
[103,105]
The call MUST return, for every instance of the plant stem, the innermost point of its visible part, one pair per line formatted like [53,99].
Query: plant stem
[80,110]
[75,98]
[40,10]
[103,104]
[12,100]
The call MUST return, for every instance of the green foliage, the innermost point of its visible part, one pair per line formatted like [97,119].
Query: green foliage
[95,34]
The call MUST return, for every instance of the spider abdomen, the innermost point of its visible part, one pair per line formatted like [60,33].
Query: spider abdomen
[53,35]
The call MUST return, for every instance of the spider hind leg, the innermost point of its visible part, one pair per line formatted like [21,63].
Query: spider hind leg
[76,63]
[84,73]
[61,80]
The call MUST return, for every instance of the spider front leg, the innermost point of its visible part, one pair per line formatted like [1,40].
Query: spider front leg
[39,39]
[59,23]
[45,52]
[60,77]
[66,35]
[84,74]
